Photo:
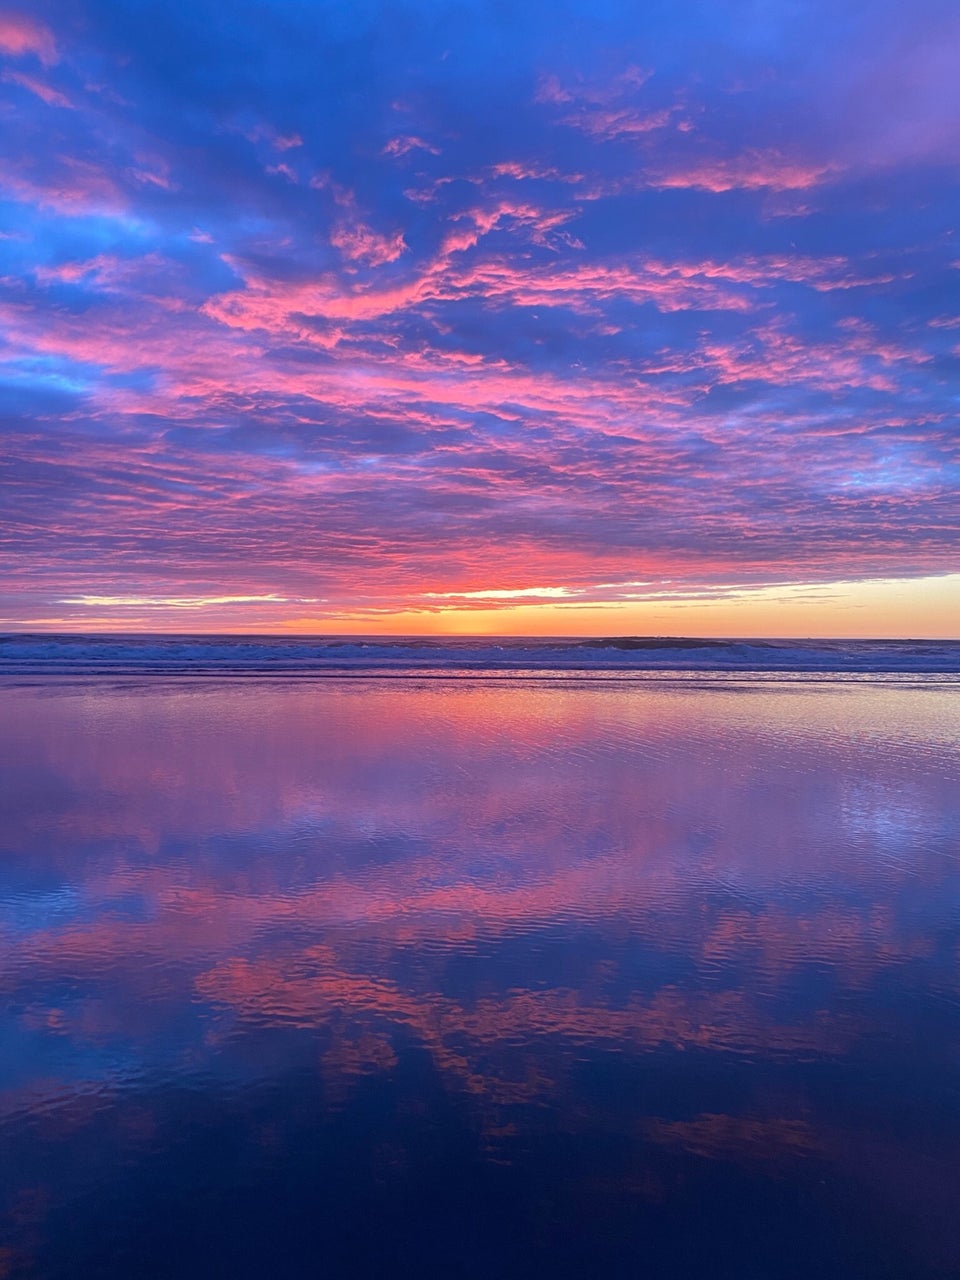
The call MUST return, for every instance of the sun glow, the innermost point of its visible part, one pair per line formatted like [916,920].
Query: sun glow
[927,607]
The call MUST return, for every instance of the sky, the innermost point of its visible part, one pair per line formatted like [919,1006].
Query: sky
[474,317]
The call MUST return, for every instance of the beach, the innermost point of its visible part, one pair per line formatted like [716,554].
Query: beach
[503,970]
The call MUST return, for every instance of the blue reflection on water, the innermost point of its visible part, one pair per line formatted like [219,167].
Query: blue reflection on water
[353,977]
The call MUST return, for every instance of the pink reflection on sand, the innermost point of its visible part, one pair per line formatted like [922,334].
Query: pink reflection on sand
[324,858]
[388,820]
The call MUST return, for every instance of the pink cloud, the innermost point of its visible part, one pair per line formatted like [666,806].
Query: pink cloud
[821,274]
[599,93]
[153,178]
[606,110]
[521,170]
[20,34]
[581,288]
[284,171]
[357,241]
[550,90]
[751,171]
[772,354]
[608,124]
[403,145]
[540,224]
[360,243]
[413,386]
[276,305]
[108,272]
[45,92]
[266,133]
[74,188]
[194,355]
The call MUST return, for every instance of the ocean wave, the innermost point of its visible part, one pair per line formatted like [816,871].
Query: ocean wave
[282,655]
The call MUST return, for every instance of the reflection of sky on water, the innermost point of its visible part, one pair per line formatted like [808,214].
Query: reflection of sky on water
[635,947]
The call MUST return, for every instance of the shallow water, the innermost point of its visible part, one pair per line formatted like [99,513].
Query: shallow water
[416,977]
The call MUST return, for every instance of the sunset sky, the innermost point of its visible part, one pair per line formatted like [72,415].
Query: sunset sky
[464,316]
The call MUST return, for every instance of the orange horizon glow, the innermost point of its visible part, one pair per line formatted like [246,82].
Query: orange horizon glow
[918,608]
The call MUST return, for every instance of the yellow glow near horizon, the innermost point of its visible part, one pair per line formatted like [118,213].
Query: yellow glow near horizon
[886,608]
[922,608]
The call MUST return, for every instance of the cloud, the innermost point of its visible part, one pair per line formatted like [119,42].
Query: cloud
[751,171]
[262,132]
[403,145]
[625,122]
[21,35]
[178,602]
[667,323]
[45,92]
[67,185]
[360,243]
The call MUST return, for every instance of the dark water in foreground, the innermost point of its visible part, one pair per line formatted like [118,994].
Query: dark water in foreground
[361,977]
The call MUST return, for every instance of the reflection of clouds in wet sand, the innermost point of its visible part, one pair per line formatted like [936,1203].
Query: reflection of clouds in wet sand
[516,888]
[303,993]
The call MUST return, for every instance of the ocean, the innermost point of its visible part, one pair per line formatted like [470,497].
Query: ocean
[48,655]
[359,957]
